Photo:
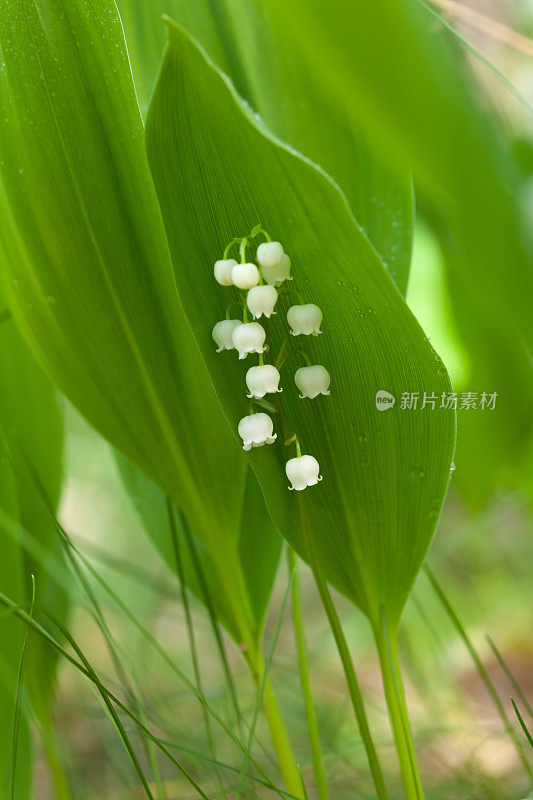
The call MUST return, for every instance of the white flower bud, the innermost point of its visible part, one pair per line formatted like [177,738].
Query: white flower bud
[223,271]
[269,254]
[223,332]
[261,300]
[256,430]
[280,273]
[262,380]
[305,319]
[248,337]
[245,276]
[302,471]
[312,381]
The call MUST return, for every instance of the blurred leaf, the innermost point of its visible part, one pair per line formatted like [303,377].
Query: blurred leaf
[12,582]
[252,564]
[494,448]
[31,432]
[91,281]
[430,111]
[32,427]
[370,522]
[271,71]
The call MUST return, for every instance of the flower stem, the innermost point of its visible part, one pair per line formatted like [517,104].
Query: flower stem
[237,303]
[395,697]
[312,724]
[293,352]
[282,355]
[259,229]
[178,558]
[229,246]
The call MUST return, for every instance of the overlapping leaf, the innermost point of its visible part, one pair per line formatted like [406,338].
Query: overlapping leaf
[218,173]
[252,566]
[90,277]
[273,72]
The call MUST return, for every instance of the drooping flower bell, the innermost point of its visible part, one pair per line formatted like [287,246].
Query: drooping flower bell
[223,334]
[270,254]
[305,319]
[245,276]
[276,276]
[312,381]
[261,300]
[248,337]
[223,270]
[302,471]
[256,430]
[262,380]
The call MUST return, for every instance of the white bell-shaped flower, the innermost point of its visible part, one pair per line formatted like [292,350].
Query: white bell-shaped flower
[223,334]
[261,300]
[245,276]
[256,430]
[276,276]
[248,337]
[262,380]
[305,319]
[269,254]
[302,471]
[223,270]
[312,381]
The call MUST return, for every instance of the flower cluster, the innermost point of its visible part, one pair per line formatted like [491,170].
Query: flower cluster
[260,289]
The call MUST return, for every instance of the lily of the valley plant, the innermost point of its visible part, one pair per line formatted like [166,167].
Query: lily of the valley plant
[260,298]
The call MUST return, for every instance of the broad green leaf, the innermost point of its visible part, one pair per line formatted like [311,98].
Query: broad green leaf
[424,103]
[91,282]
[271,71]
[253,565]
[369,523]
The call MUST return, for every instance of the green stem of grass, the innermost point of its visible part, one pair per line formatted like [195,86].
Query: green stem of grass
[483,674]
[190,635]
[395,697]
[353,687]
[344,654]
[287,762]
[312,724]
